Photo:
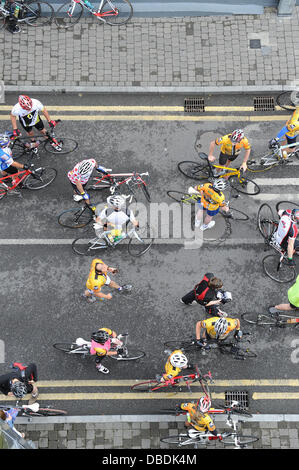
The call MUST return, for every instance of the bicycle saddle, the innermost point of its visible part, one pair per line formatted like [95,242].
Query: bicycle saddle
[203,156]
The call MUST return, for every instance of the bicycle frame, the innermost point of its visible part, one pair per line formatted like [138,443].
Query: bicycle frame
[98,14]
[111,177]
[277,152]
[21,175]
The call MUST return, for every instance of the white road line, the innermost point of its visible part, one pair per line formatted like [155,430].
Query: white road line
[278,196]
[158,241]
[277,181]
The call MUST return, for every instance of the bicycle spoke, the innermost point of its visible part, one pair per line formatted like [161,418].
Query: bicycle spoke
[265,218]
[41,178]
[244,185]
[116,12]
[75,218]
[279,272]
[38,13]
[68,14]
[65,145]
[142,241]
[197,171]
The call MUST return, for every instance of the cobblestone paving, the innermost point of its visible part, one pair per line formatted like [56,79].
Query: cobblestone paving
[147,435]
[156,52]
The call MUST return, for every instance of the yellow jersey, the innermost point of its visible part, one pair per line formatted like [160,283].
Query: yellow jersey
[293,124]
[200,421]
[210,199]
[95,281]
[227,146]
[209,325]
[170,370]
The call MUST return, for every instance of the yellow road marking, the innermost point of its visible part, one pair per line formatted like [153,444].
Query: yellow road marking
[170,109]
[129,383]
[162,117]
[117,396]
[275,396]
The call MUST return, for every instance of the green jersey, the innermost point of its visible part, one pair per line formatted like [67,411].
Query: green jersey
[293,293]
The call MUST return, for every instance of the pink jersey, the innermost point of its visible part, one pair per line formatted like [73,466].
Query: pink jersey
[74,175]
[106,346]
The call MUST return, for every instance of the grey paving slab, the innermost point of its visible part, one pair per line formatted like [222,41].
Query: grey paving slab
[218,48]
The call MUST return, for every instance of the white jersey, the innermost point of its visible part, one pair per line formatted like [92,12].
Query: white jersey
[28,118]
[116,218]
[286,230]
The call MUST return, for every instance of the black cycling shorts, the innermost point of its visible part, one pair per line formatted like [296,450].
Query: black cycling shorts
[223,157]
[291,140]
[39,126]
[11,170]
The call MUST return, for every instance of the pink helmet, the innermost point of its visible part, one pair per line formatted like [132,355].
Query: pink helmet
[25,102]
[237,135]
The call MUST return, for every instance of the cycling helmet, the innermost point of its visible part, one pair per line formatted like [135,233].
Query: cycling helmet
[204,404]
[295,215]
[116,201]
[25,102]
[237,135]
[219,184]
[220,327]
[178,360]
[85,167]
[4,140]
[19,389]
[193,433]
[100,336]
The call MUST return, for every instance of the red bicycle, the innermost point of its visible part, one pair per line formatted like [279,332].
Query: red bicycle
[155,384]
[119,182]
[34,178]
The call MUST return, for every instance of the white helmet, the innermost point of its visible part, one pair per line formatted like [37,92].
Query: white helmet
[193,433]
[220,184]
[178,360]
[204,404]
[4,139]
[85,167]
[220,326]
[116,201]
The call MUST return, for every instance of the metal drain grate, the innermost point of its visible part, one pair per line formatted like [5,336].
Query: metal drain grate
[264,103]
[194,105]
[241,397]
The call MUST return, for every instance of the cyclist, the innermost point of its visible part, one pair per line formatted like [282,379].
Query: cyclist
[101,342]
[9,417]
[28,111]
[13,9]
[198,417]
[97,278]
[293,298]
[209,294]
[217,328]
[112,216]
[230,147]
[286,233]
[288,133]
[7,164]
[176,361]
[79,177]
[211,200]
[20,381]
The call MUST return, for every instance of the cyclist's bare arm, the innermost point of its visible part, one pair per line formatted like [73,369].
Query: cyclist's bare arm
[211,151]
[13,121]
[291,243]
[200,331]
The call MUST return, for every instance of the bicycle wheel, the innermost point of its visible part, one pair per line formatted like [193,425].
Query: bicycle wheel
[283,205]
[77,217]
[187,346]
[65,347]
[145,386]
[68,14]
[179,196]
[235,410]
[133,355]
[286,100]
[241,440]
[67,146]
[2,20]
[278,271]
[196,171]
[18,149]
[117,12]
[237,215]
[38,13]
[179,440]
[141,242]
[85,247]
[261,319]
[265,163]
[42,177]
[244,185]
[3,190]
[146,192]
[265,218]
[46,412]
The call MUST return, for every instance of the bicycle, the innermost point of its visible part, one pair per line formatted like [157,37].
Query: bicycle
[33,13]
[288,100]
[279,320]
[274,158]
[112,12]
[207,171]
[232,438]
[154,385]
[77,217]
[218,408]
[81,347]
[116,182]
[278,270]
[186,198]
[33,179]
[56,145]
[34,410]
[233,348]
[139,242]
